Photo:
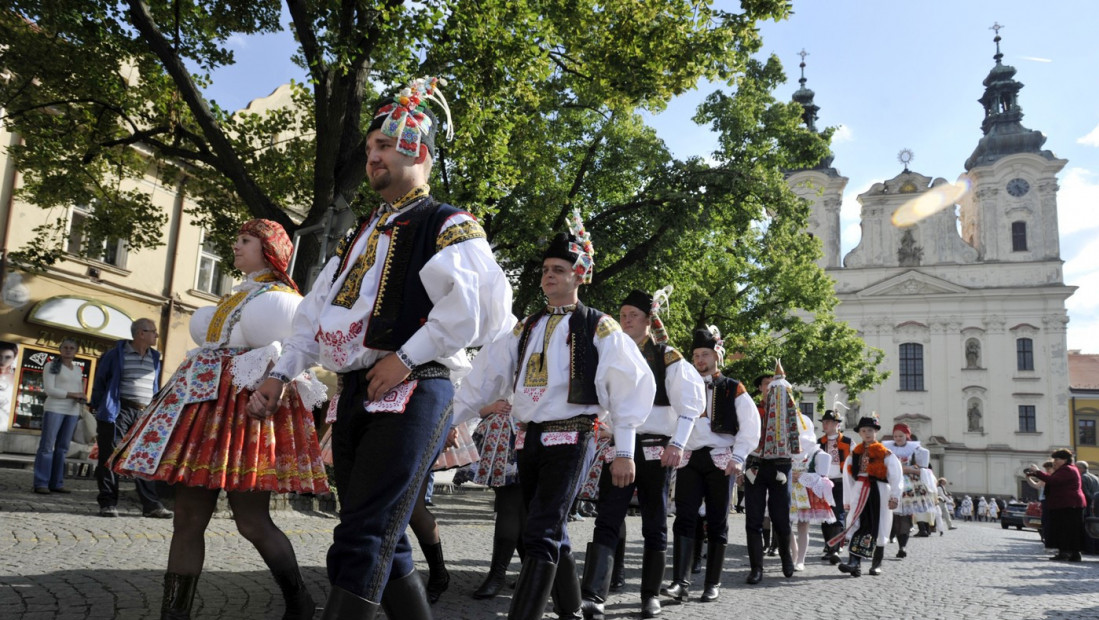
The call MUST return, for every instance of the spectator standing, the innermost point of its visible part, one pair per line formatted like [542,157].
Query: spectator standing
[127,377]
[1063,516]
[64,385]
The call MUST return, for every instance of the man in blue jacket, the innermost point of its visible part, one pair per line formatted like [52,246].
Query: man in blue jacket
[126,379]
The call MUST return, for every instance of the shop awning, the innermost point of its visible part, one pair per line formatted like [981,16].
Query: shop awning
[82,315]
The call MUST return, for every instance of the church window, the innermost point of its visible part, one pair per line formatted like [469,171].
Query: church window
[1085,432]
[1024,354]
[911,367]
[1018,236]
[1028,419]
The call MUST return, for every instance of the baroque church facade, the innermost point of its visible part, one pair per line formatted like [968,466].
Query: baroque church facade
[968,303]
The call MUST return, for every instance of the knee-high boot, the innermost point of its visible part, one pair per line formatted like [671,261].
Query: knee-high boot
[343,605]
[784,553]
[682,550]
[179,594]
[502,550]
[299,605]
[532,590]
[699,542]
[597,580]
[618,575]
[875,564]
[652,575]
[755,558]
[438,579]
[406,598]
[566,588]
[715,562]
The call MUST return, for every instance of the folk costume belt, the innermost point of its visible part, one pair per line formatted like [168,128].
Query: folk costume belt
[132,404]
[755,461]
[652,439]
[581,423]
[430,370]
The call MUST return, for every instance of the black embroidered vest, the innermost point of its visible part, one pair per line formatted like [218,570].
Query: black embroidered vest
[724,418]
[583,358]
[655,355]
[402,304]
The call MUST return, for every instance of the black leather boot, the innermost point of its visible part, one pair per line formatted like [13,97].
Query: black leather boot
[299,605]
[179,594]
[715,561]
[923,530]
[618,575]
[755,559]
[853,566]
[875,564]
[682,549]
[784,553]
[566,588]
[406,598]
[343,605]
[596,581]
[502,550]
[532,590]
[438,579]
[652,575]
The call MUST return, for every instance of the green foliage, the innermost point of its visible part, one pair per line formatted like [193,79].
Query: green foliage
[547,100]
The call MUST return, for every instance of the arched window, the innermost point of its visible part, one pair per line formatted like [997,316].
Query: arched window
[911,370]
[1018,236]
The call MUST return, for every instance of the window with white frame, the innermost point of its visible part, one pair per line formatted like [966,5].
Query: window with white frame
[210,277]
[111,250]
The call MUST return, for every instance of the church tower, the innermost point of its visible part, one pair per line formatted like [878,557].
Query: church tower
[1010,212]
[822,185]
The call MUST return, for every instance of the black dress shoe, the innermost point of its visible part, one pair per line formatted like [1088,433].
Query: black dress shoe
[711,593]
[755,576]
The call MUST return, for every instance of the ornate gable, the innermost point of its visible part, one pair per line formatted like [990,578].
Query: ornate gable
[912,283]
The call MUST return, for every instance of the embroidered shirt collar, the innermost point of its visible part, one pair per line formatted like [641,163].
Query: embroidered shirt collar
[254,280]
[409,199]
[561,309]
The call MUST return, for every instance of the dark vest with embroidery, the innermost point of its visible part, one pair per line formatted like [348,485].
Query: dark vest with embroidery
[402,304]
[724,418]
[583,357]
[654,354]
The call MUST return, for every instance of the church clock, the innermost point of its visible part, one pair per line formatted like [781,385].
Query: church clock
[1018,187]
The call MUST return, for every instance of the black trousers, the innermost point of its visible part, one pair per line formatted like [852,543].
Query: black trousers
[550,478]
[107,436]
[700,480]
[770,494]
[651,483]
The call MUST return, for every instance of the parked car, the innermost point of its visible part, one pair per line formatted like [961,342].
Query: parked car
[1014,515]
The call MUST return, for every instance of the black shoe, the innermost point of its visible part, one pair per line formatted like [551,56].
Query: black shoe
[1060,557]
[160,512]
[596,580]
[42,490]
[901,553]
[682,550]
[652,575]
[650,607]
[715,561]
[755,559]
[784,554]
[875,565]
[108,511]
[1075,557]
[711,593]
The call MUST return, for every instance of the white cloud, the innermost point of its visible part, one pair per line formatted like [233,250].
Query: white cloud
[1077,201]
[1036,59]
[1092,139]
[843,134]
[851,218]
[1082,272]
[238,41]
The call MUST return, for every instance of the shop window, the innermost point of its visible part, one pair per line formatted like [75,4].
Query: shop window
[111,251]
[30,394]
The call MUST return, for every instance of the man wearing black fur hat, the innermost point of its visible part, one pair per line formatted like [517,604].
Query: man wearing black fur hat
[561,368]
[409,289]
[659,447]
[723,435]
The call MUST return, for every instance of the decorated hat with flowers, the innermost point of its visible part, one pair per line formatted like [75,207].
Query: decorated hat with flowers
[575,248]
[406,117]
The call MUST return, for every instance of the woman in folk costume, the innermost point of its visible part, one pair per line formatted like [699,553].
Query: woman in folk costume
[198,436]
[967,508]
[810,494]
[916,496]
[872,481]
[982,509]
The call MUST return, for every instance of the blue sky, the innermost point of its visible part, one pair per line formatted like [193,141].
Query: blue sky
[893,75]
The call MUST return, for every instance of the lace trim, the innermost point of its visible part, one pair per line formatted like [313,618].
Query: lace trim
[249,369]
[311,390]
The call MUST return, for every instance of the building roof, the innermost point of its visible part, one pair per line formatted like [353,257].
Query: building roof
[1083,371]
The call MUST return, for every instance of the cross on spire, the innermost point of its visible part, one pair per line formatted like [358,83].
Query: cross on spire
[996,27]
[803,54]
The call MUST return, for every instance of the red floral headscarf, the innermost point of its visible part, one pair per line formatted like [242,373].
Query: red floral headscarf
[277,247]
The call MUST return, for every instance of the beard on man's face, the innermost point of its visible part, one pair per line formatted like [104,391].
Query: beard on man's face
[380,180]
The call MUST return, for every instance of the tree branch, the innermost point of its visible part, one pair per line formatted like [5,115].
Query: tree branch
[303,26]
[578,180]
[635,255]
[227,160]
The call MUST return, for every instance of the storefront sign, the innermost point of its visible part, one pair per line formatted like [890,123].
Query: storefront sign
[84,315]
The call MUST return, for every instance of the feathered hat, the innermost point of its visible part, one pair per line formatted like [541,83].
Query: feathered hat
[406,117]
[575,248]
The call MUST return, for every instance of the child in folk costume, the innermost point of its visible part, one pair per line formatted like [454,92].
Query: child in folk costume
[916,496]
[872,480]
[810,494]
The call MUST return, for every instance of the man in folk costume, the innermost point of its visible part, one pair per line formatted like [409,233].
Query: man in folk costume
[715,453]
[768,470]
[409,289]
[872,479]
[659,447]
[561,368]
[838,447]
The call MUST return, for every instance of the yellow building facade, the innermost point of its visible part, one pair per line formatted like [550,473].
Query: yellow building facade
[1083,371]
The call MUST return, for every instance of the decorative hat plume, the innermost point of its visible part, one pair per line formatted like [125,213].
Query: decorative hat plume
[582,247]
[406,117]
[660,304]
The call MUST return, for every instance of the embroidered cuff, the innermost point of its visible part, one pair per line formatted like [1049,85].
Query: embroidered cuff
[675,444]
[738,459]
[279,376]
[623,454]
[407,361]
[624,439]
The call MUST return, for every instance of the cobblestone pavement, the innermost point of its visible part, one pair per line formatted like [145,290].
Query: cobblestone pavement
[58,559]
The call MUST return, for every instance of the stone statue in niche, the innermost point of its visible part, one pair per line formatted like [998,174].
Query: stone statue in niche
[909,254]
[974,414]
[972,353]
